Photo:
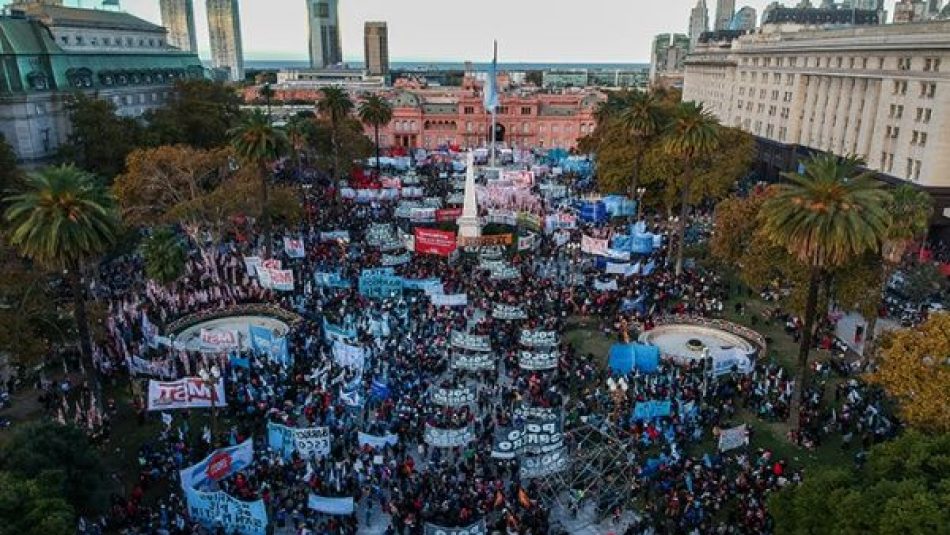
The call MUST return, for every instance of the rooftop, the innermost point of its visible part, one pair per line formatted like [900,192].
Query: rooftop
[62,16]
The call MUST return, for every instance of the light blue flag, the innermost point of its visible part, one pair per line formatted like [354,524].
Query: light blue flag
[491,89]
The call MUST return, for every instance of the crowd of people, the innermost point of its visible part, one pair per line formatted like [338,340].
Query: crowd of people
[379,408]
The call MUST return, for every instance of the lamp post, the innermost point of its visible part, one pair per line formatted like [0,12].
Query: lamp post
[640,192]
[673,221]
[618,394]
[210,379]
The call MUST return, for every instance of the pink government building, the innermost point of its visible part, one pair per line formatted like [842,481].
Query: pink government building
[430,117]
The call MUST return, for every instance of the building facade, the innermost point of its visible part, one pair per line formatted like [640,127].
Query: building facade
[224,32]
[725,11]
[50,52]
[666,58]
[326,48]
[698,22]
[880,92]
[376,48]
[178,17]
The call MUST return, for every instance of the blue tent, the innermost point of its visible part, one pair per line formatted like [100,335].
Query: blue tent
[625,357]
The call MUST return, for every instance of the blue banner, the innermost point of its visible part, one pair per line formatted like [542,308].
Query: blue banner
[264,342]
[331,506]
[379,390]
[647,410]
[335,333]
[330,280]
[380,285]
[376,441]
[217,509]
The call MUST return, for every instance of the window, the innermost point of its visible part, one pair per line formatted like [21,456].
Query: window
[927,112]
[502,110]
[923,139]
[775,94]
[526,110]
[903,64]
[468,126]
[864,63]
[900,87]
[900,111]
[913,137]
[910,167]
[890,162]
[323,10]
[932,64]
[469,110]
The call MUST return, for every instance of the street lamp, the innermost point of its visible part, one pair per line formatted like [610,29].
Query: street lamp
[210,379]
[673,222]
[640,192]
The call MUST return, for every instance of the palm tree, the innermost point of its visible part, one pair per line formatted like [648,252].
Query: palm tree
[830,213]
[335,105]
[61,218]
[267,93]
[910,210]
[164,256]
[259,144]
[643,119]
[692,135]
[375,111]
[296,133]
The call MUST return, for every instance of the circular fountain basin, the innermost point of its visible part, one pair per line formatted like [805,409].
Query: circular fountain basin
[240,324]
[684,342]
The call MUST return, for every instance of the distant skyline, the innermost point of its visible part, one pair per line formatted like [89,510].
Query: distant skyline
[537,31]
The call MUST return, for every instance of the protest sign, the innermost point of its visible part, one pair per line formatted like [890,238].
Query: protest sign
[422,214]
[538,414]
[426,285]
[504,272]
[602,286]
[470,342]
[251,265]
[528,360]
[218,339]
[593,246]
[349,356]
[448,214]
[448,438]
[477,528]
[337,332]
[531,466]
[730,439]
[379,286]
[432,241]
[451,300]
[490,239]
[335,236]
[305,441]
[185,393]
[263,341]
[453,397]
[294,247]
[139,366]
[330,280]
[531,437]
[647,410]
[538,338]
[395,260]
[376,441]
[473,362]
[379,233]
[508,312]
[217,509]
[331,506]
[221,463]
[280,279]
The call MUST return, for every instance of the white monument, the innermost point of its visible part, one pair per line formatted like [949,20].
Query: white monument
[469,227]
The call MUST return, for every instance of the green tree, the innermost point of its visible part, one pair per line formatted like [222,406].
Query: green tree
[164,256]
[99,139]
[200,115]
[267,93]
[692,135]
[903,488]
[351,145]
[824,217]
[335,106]
[296,131]
[258,145]
[643,118]
[376,112]
[61,219]
[56,453]
[10,175]
[921,282]
[34,507]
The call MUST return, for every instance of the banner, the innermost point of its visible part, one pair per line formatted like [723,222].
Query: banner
[221,463]
[504,272]
[337,332]
[538,338]
[349,356]
[451,300]
[730,439]
[491,239]
[448,438]
[508,312]
[281,280]
[478,528]
[528,242]
[264,342]
[453,397]
[647,410]
[525,412]
[217,509]
[379,286]
[432,241]
[335,236]
[528,360]
[251,264]
[531,437]
[376,441]
[531,466]
[426,285]
[330,280]
[331,506]
[601,286]
[396,260]
[470,342]
[139,366]
[474,362]
[305,441]
[593,246]
[294,248]
[186,393]
[447,214]
[218,339]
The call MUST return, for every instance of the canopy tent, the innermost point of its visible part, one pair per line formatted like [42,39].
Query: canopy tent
[626,357]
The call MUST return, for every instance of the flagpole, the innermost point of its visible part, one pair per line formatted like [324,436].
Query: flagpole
[494,113]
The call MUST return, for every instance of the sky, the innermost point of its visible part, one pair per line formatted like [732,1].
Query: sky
[555,31]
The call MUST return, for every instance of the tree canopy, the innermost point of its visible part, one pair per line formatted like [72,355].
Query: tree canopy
[200,115]
[99,139]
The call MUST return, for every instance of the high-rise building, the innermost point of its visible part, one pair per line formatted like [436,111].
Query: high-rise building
[224,31]
[837,91]
[909,11]
[325,47]
[666,58]
[178,17]
[744,20]
[376,48]
[698,22]
[725,10]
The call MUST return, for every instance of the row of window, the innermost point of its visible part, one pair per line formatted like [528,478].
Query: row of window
[911,170]
[129,42]
[410,126]
[903,63]
[502,110]
[927,89]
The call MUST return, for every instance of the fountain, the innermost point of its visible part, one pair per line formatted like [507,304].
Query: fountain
[684,341]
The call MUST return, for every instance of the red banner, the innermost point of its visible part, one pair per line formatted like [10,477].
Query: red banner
[431,241]
[448,214]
